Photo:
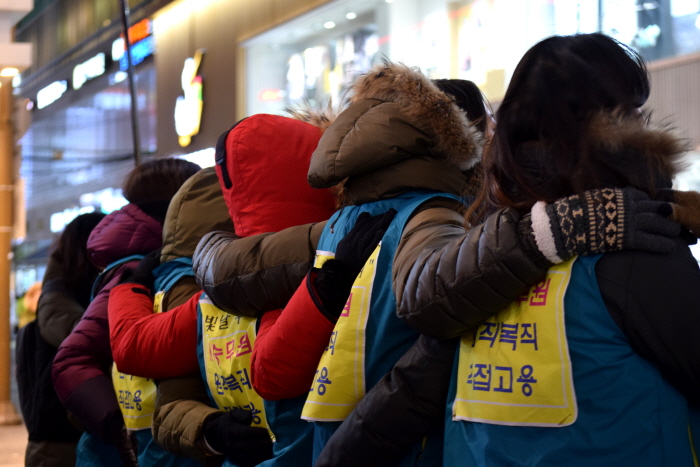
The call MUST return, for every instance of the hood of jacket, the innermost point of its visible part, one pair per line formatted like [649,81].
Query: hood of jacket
[636,152]
[261,163]
[125,232]
[618,151]
[399,133]
[196,209]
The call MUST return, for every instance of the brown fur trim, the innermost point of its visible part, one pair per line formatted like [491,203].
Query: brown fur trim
[613,131]
[320,117]
[433,110]
[686,210]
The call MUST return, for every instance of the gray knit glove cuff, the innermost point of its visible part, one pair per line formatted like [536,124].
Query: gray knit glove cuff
[602,221]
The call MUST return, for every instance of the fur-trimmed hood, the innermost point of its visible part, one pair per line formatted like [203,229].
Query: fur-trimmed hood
[400,132]
[434,111]
[613,151]
[659,145]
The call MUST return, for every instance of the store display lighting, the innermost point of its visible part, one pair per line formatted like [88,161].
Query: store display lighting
[204,158]
[9,72]
[17,81]
[118,77]
[351,15]
[271,95]
[329,25]
[51,93]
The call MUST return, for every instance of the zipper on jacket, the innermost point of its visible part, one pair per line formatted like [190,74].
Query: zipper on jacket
[419,456]
[336,219]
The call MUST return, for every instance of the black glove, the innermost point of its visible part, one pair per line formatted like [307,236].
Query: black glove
[230,433]
[686,208]
[143,273]
[335,278]
[603,221]
[127,444]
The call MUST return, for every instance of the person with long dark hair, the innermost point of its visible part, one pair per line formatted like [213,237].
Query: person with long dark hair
[593,365]
[64,297]
[69,273]
[609,375]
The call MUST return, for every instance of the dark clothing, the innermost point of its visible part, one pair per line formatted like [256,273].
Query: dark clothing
[44,415]
[52,438]
[60,308]
[653,298]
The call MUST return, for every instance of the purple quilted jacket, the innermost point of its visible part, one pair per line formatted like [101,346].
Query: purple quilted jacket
[82,367]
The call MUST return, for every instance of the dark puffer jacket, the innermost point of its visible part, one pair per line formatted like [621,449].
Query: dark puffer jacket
[61,309]
[82,368]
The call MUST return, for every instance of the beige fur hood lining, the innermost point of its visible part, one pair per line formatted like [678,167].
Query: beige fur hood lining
[658,143]
[455,139]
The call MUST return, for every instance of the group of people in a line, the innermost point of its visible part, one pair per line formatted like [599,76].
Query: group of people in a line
[409,281]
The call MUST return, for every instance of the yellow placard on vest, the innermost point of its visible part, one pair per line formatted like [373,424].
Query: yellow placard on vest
[137,395]
[228,344]
[339,383]
[515,369]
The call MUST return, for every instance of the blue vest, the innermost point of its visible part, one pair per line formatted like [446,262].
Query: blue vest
[167,274]
[293,436]
[628,414]
[96,286]
[387,337]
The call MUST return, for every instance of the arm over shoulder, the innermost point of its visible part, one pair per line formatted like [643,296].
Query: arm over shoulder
[255,274]
[448,280]
[169,339]
[277,373]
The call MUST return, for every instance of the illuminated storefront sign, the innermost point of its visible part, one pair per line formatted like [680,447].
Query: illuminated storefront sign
[142,44]
[188,108]
[51,93]
[88,70]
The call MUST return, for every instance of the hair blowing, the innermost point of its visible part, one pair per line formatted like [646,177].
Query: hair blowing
[157,179]
[541,148]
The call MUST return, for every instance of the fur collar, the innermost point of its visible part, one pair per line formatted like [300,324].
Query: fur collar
[455,139]
[321,117]
[614,133]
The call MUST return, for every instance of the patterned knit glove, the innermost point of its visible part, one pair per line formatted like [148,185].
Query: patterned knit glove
[603,221]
